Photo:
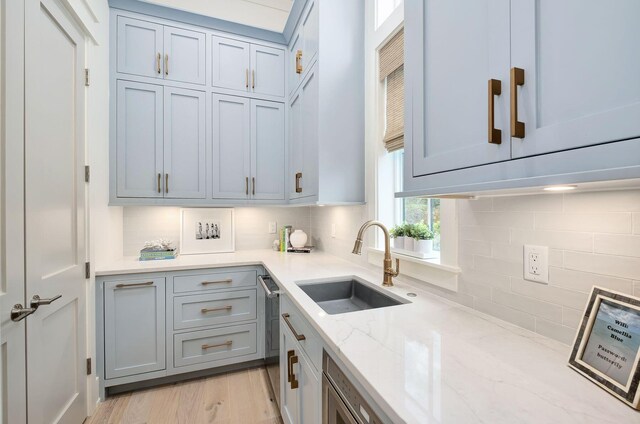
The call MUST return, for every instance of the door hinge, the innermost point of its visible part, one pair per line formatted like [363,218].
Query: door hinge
[87,270]
[88,366]
[86,77]
[87,173]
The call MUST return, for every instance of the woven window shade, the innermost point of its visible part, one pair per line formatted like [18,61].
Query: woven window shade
[392,69]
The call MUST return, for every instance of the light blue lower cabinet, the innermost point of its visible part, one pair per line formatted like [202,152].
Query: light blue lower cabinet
[204,310]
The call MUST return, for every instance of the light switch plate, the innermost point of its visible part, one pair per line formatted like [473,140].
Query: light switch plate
[536,263]
[273,227]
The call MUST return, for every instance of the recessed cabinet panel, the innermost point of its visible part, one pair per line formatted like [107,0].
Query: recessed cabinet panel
[448,126]
[215,345]
[184,144]
[139,139]
[231,147]
[581,86]
[267,70]
[139,48]
[311,35]
[267,150]
[296,148]
[231,64]
[310,131]
[294,71]
[213,309]
[184,55]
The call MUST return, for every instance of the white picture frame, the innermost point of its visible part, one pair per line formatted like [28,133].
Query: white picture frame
[207,230]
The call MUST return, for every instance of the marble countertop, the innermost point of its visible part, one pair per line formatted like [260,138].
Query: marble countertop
[429,361]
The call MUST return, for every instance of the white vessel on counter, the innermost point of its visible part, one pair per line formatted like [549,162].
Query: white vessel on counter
[298,239]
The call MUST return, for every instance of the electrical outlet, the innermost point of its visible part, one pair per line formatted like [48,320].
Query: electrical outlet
[536,263]
[273,227]
[333,230]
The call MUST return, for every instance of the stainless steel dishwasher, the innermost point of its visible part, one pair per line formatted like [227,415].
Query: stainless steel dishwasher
[341,401]
[272,332]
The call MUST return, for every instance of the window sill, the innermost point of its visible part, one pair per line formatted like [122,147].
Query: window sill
[430,271]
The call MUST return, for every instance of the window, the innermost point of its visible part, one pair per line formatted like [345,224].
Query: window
[384,9]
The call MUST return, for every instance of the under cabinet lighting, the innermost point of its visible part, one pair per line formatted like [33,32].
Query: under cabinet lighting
[560,188]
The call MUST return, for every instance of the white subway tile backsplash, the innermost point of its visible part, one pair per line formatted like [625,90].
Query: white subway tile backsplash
[615,266]
[488,234]
[548,293]
[636,223]
[499,266]
[603,201]
[529,305]
[565,240]
[555,331]
[583,281]
[604,222]
[621,245]
[533,203]
[506,313]
[636,288]
[497,219]
[571,317]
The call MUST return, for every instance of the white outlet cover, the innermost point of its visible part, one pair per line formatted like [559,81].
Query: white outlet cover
[530,265]
[273,227]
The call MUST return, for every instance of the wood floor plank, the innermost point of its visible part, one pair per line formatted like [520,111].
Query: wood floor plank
[214,404]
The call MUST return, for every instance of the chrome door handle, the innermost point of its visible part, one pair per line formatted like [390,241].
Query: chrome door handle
[38,301]
[19,312]
[269,293]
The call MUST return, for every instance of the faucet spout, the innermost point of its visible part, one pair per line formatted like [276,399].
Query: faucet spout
[389,272]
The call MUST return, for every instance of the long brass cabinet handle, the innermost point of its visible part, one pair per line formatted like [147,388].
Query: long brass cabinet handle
[298,337]
[166,183]
[227,280]
[221,308]
[298,177]
[253,79]
[253,185]
[166,64]
[131,285]
[246,186]
[495,89]
[208,346]
[294,381]
[299,62]
[158,65]
[246,79]
[159,182]
[517,79]
[290,354]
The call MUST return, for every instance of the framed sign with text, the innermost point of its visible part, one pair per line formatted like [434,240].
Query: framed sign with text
[607,347]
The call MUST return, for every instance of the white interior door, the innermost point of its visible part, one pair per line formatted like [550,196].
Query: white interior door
[55,215]
[13,404]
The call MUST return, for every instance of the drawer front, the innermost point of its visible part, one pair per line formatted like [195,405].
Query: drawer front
[312,343]
[214,345]
[214,281]
[213,309]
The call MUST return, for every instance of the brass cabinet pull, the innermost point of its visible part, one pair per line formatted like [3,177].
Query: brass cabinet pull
[159,182]
[221,308]
[166,183]
[294,380]
[290,354]
[495,89]
[246,186]
[253,79]
[299,62]
[227,280]
[208,346]
[298,337]
[298,177]
[517,79]
[246,79]
[166,64]
[130,285]
[253,185]
[158,65]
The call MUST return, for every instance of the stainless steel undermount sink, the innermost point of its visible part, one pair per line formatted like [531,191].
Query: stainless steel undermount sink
[348,294]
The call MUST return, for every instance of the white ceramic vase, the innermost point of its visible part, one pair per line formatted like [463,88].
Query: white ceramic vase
[423,246]
[398,242]
[298,239]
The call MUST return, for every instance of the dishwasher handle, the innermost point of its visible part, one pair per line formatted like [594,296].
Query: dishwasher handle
[270,293]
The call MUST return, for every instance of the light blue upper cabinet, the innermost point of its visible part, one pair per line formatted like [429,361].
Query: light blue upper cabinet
[267,70]
[267,150]
[139,139]
[581,73]
[231,147]
[184,144]
[231,64]
[184,55]
[450,105]
[303,47]
[139,47]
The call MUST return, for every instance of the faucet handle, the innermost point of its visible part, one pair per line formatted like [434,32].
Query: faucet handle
[397,271]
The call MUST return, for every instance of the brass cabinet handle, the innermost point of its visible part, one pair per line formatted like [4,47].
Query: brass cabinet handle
[246,79]
[221,308]
[298,177]
[166,64]
[246,186]
[166,183]
[253,185]
[206,283]
[517,79]
[158,65]
[294,380]
[298,337]
[290,354]
[253,79]
[495,89]
[208,346]
[299,62]
[159,182]
[130,285]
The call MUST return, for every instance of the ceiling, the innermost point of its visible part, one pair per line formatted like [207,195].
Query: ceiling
[271,15]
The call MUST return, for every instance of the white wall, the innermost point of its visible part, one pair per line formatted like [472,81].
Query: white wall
[252,224]
[593,239]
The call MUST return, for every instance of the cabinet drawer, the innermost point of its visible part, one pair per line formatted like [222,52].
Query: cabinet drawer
[213,309]
[312,344]
[214,281]
[214,345]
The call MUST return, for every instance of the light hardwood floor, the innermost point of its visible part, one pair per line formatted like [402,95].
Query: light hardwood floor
[241,397]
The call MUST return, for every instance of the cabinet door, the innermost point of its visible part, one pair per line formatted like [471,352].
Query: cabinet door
[231,147]
[267,150]
[448,110]
[581,73]
[184,55]
[294,77]
[184,144]
[310,117]
[296,148]
[310,391]
[139,139]
[139,48]
[267,73]
[289,397]
[134,327]
[310,32]
[231,64]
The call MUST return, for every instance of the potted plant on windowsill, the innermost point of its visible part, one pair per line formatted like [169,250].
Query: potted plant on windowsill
[423,237]
[398,236]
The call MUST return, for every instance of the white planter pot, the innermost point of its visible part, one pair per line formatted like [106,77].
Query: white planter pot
[423,246]
[408,243]
[398,242]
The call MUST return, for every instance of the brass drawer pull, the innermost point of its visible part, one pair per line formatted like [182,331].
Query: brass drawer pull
[295,333]
[208,346]
[298,177]
[227,280]
[495,89]
[129,285]
[299,62]
[294,380]
[158,66]
[517,79]
[290,354]
[221,308]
